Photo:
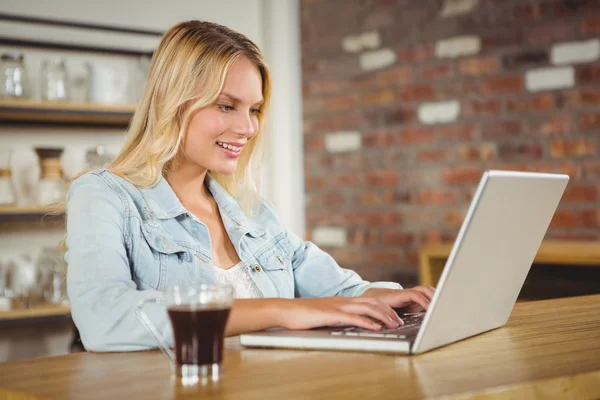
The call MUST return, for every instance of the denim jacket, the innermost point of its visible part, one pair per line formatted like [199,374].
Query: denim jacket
[126,244]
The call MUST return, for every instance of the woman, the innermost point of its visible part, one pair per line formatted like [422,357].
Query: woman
[179,205]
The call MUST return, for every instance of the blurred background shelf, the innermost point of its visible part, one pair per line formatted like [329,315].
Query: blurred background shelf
[37,213]
[37,312]
[25,111]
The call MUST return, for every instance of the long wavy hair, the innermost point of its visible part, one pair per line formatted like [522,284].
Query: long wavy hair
[191,55]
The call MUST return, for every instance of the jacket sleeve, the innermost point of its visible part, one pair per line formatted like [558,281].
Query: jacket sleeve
[317,274]
[101,291]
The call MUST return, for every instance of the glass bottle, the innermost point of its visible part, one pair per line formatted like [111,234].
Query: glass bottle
[15,80]
[55,80]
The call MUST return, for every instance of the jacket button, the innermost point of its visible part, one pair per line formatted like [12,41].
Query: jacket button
[257,268]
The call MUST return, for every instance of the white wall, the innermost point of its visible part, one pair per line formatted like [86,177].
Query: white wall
[272,24]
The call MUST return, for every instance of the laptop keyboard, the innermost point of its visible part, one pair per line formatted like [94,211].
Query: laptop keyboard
[412,323]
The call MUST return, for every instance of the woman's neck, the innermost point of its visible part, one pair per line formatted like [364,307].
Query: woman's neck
[187,181]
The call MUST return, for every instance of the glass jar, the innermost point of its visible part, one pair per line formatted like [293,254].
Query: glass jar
[7,190]
[51,187]
[55,80]
[51,263]
[15,80]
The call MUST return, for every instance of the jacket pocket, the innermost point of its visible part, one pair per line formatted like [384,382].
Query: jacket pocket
[160,260]
[276,260]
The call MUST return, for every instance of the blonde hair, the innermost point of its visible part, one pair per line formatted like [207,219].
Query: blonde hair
[191,55]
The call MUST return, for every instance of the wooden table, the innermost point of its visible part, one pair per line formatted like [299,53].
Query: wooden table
[548,349]
[561,252]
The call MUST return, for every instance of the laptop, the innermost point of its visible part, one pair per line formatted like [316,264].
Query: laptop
[490,259]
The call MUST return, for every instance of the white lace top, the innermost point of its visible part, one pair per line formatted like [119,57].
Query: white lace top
[239,277]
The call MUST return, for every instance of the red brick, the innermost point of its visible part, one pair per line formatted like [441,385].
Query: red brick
[313,106]
[429,197]
[347,179]
[479,65]
[380,97]
[589,121]
[416,93]
[436,72]
[468,132]
[414,54]
[362,82]
[526,58]
[591,169]
[591,25]
[395,76]
[324,86]
[436,237]
[314,182]
[368,198]
[503,84]
[573,148]
[335,123]
[314,143]
[454,219]
[554,125]
[383,218]
[510,38]
[394,238]
[362,236]
[343,102]
[590,218]
[564,219]
[396,197]
[500,129]
[416,135]
[480,152]
[516,150]
[428,156]
[531,12]
[552,32]
[588,74]
[583,97]
[580,193]
[382,178]
[481,107]
[539,102]
[386,257]
[461,175]
[378,139]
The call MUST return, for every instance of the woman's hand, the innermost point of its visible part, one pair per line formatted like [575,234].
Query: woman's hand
[408,300]
[365,312]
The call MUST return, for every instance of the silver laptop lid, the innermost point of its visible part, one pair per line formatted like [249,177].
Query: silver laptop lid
[492,254]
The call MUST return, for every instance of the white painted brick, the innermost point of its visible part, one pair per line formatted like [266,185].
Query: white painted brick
[377,59]
[371,40]
[439,112]
[458,46]
[357,43]
[329,236]
[575,52]
[352,44]
[549,78]
[457,7]
[343,141]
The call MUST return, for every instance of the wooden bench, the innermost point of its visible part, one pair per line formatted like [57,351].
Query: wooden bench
[559,252]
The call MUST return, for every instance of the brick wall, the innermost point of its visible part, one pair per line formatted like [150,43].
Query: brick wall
[406,102]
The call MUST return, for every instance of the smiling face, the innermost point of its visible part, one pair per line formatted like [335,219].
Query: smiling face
[217,134]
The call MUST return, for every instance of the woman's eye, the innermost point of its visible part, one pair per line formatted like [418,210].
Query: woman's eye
[225,108]
[255,111]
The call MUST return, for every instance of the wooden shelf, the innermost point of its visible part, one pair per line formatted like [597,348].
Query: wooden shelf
[27,111]
[37,312]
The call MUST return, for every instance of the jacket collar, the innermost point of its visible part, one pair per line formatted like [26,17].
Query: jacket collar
[164,203]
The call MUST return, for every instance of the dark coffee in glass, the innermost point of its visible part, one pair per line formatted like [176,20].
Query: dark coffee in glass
[198,334]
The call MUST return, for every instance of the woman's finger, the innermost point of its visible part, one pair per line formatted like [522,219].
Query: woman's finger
[428,291]
[346,318]
[373,311]
[382,305]
[419,298]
